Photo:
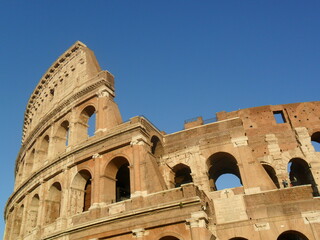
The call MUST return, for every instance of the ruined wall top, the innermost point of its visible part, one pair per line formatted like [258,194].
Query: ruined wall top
[73,71]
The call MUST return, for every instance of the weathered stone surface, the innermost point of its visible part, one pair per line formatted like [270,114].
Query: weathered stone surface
[128,180]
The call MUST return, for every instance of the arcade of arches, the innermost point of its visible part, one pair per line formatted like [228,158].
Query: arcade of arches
[84,173]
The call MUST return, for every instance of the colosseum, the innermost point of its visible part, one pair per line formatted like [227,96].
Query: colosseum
[83,173]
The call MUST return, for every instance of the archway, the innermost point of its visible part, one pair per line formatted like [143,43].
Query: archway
[238,238]
[43,150]
[315,141]
[300,173]
[227,180]
[33,213]
[61,139]
[81,192]
[30,162]
[53,203]
[272,174]
[123,183]
[182,174]
[87,195]
[292,235]
[222,163]
[156,147]
[117,180]
[88,121]
[169,238]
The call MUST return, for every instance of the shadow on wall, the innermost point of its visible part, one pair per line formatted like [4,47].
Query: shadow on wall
[315,140]
[300,174]
[292,235]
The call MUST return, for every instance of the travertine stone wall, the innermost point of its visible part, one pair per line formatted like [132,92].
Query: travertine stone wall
[129,180]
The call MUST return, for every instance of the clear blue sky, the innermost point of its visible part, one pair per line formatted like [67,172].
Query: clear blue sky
[173,60]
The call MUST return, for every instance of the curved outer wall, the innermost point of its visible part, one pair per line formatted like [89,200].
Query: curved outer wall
[129,180]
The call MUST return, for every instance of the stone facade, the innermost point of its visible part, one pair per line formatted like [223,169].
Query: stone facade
[128,180]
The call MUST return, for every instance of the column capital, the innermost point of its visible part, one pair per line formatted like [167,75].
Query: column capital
[198,219]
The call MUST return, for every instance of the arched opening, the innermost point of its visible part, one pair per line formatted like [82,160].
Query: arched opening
[20,171]
[156,147]
[169,238]
[29,165]
[272,174]
[227,180]
[33,213]
[300,174]
[92,125]
[123,183]
[182,174]
[53,203]
[238,238]
[223,165]
[315,140]
[62,137]
[17,223]
[117,180]
[88,120]
[87,196]
[292,235]
[43,149]
[81,192]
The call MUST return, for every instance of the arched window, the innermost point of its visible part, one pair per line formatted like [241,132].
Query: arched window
[45,144]
[92,125]
[53,203]
[33,213]
[315,140]
[223,165]
[61,139]
[87,195]
[169,238]
[272,174]
[117,180]
[20,171]
[88,120]
[292,235]
[17,223]
[300,174]
[30,158]
[156,147]
[182,174]
[123,183]
[81,192]
[43,149]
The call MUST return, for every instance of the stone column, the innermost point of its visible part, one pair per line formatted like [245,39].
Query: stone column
[108,114]
[139,155]
[24,218]
[95,192]
[198,226]
[64,196]
[101,116]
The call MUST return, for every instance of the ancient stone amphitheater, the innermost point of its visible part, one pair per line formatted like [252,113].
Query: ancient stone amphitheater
[128,180]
